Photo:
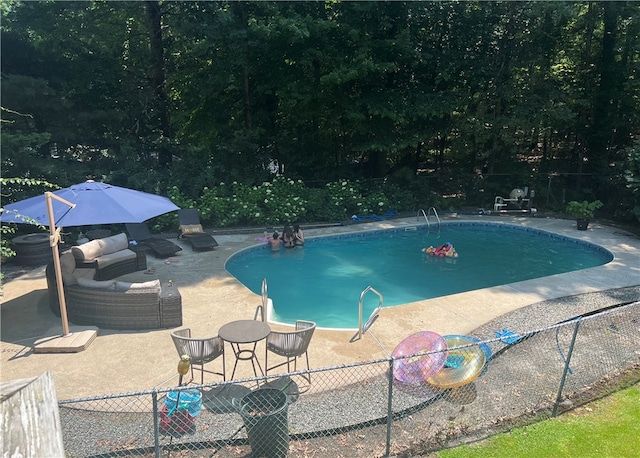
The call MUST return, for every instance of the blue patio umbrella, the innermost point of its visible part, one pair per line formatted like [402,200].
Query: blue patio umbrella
[82,205]
[95,203]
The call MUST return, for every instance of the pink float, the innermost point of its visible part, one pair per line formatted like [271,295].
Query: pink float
[417,369]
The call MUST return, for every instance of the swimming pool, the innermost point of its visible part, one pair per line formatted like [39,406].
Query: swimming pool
[323,280]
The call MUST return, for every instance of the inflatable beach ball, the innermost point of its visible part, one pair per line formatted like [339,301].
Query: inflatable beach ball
[416,369]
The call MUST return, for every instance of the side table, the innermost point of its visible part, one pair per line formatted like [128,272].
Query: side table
[141,255]
[170,306]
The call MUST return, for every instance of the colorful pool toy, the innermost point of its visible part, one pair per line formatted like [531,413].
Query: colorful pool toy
[417,369]
[463,365]
[445,250]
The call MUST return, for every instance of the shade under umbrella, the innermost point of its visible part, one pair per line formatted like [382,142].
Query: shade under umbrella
[95,203]
[82,205]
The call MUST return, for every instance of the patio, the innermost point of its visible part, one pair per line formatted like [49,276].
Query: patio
[124,361]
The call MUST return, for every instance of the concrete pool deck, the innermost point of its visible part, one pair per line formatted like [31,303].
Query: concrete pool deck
[131,361]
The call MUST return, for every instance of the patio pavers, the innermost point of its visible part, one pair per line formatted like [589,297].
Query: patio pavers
[130,361]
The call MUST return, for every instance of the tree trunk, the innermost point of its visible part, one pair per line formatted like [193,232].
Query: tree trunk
[606,95]
[416,157]
[442,144]
[241,13]
[158,78]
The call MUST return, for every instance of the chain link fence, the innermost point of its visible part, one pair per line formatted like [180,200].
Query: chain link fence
[400,406]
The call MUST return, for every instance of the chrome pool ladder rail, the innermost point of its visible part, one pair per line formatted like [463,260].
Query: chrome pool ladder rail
[261,310]
[374,315]
[435,213]
[426,217]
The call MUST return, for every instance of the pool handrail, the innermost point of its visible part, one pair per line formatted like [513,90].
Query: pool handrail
[261,310]
[374,315]
[426,217]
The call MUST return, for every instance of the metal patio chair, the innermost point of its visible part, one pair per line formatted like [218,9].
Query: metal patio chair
[291,345]
[201,351]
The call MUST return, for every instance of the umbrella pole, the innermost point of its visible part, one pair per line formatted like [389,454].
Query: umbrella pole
[55,238]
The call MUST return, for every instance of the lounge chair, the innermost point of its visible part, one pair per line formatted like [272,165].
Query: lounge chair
[162,248]
[97,234]
[191,230]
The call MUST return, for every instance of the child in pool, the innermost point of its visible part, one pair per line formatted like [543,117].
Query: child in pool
[275,241]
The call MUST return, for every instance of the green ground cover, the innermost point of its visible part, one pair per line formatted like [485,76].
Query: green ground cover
[608,427]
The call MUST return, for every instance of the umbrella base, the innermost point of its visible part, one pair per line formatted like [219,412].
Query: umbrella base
[78,339]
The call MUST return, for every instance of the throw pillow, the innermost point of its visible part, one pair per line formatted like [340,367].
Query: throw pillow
[114,243]
[68,266]
[191,228]
[87,251]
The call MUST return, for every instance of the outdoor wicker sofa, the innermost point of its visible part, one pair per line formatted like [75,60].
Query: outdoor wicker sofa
[92,298]
[109,257]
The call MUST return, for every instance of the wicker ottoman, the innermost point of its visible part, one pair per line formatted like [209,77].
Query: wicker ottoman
[32,249]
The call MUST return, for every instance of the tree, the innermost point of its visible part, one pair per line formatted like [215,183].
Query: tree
[158,79]
[195,93]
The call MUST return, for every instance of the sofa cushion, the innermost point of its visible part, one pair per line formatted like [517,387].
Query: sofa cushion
[87,251]
[108,259]
[114,243]
[95,284]
[126,286]
[68,266]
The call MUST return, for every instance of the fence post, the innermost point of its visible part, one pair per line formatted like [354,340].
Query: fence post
[31,418]
[156,424]
[566,368]
[389,407]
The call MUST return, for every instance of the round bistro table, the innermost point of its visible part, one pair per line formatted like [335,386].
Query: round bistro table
[245,332]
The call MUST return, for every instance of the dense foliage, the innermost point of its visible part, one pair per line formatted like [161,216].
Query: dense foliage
[284,201]
[406,102]
[6,231]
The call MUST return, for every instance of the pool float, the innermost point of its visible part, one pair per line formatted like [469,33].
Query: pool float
[445,250]
[483,346]
[462,366]
[417,369]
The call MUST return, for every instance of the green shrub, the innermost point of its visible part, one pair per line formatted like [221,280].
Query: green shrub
[584,209]
[24,188]
[284,201]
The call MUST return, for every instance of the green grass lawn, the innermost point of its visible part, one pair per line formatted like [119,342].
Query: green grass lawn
[609,427]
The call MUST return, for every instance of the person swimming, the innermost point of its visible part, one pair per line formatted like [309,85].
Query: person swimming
[275,241]
[287,237]
[298,235]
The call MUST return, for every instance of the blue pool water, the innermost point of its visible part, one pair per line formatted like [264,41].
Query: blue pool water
[322,281]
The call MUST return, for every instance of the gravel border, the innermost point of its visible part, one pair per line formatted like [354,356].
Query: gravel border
[426,416]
